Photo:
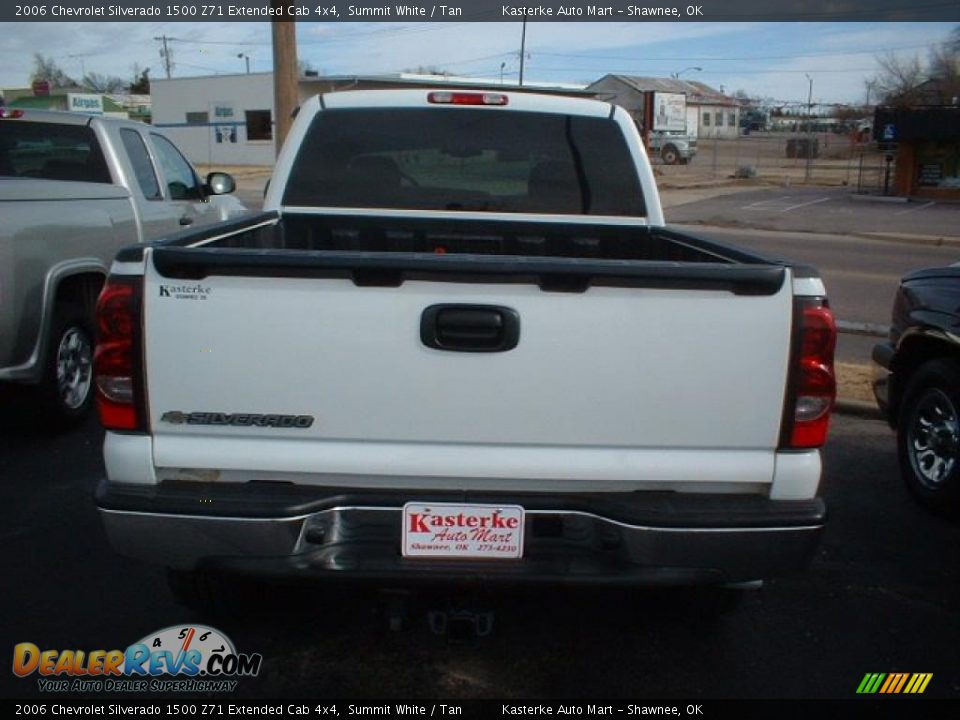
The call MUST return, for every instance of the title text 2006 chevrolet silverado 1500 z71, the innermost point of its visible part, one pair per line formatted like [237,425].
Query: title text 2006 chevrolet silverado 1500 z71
[460,343]
[74,189]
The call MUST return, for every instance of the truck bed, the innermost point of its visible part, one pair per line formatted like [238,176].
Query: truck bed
[387,249]
[622,330]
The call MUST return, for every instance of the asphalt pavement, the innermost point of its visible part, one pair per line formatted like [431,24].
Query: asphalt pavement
[861,275]
[880,596]
[836,211]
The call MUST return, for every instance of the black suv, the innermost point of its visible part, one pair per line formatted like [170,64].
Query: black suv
[917,384]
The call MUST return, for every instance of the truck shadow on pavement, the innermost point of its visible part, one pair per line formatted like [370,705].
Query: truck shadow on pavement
[544,642]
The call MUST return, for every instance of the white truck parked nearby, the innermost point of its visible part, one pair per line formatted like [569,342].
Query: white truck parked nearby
[460,343]
[74,189]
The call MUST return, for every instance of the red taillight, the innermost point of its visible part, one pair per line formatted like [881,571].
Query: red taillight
[116,362]
[466,98]
[10,114]
[814,386]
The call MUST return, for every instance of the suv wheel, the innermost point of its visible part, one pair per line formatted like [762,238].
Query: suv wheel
[928,435]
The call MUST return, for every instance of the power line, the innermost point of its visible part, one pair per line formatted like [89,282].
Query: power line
[708,58]
[647,59]
[342,36]
[188,41]
[473,60]
[208,69]
[716,72]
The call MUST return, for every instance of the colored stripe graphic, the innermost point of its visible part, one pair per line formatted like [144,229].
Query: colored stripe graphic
[894,683]
[918,683]
[900,683]
[870,683]
[875,685]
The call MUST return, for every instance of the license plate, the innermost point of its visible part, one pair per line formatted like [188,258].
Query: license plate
[477,532]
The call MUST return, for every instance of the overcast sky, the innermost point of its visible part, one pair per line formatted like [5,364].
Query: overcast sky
[764,59]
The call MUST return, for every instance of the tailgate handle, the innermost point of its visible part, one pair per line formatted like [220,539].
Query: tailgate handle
[470,328]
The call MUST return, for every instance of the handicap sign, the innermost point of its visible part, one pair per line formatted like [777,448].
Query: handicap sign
[889,131]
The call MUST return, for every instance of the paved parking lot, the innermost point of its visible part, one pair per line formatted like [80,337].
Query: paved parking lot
[881,596]
[819,210]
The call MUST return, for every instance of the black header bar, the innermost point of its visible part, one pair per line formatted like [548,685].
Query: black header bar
[229,705]
[330,11]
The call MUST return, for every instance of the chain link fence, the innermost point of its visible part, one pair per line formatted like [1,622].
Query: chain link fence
[787,158]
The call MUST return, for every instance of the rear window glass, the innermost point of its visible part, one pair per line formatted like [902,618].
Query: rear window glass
[50,151]
[465,159]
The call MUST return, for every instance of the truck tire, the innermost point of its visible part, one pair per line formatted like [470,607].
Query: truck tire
[928,436]
[65,393]
[670,155]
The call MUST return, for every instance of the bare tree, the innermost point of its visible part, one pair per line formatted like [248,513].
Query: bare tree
[945,67]
[45,69]
[897,80]
[97,83]
[905,81]
[953,41]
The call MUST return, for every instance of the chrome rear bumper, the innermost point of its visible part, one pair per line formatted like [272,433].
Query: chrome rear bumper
[628,538]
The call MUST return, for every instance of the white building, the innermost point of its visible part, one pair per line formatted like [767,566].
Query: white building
[218,120]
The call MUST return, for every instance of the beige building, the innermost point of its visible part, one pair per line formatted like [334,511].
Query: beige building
[710,113]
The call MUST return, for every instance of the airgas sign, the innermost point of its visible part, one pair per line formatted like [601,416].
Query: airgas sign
[82,102]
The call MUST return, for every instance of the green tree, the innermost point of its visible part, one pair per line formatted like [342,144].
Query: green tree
[141,81]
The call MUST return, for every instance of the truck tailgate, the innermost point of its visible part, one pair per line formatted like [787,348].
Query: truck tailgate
[314,378]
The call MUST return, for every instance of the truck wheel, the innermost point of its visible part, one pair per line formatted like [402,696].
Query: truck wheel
[670,155]
[65,393]
[928,436]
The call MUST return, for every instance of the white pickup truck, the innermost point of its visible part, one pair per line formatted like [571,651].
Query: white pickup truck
[74,189]
[459,343]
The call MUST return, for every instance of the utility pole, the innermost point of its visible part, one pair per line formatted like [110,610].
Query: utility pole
[806,172]
[246,57]
[286,94]
[523,45]
[165,54]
